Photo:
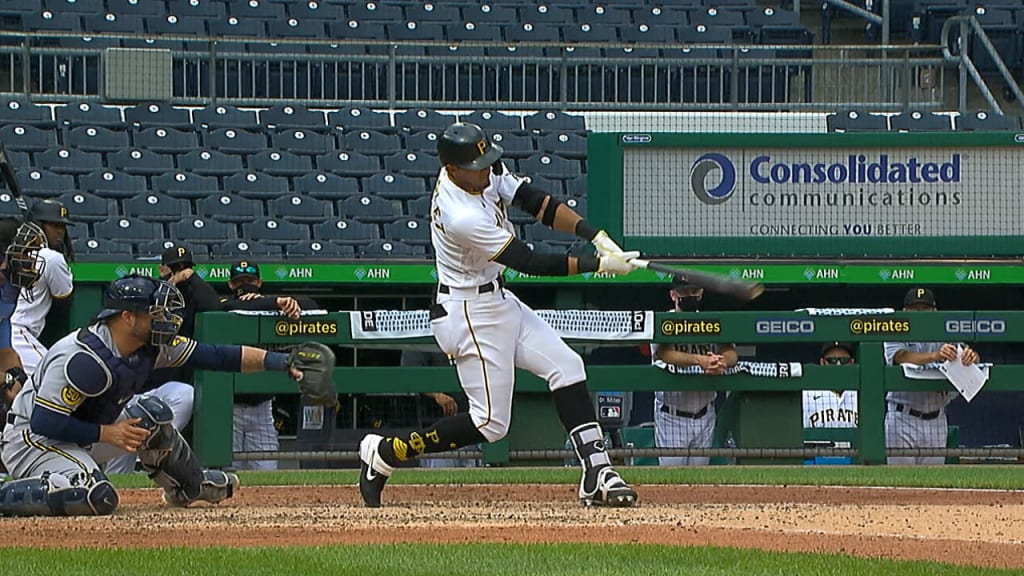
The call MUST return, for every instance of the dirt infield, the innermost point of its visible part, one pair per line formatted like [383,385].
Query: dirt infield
[976,528]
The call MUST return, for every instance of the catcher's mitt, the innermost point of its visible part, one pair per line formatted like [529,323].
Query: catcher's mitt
[316,362]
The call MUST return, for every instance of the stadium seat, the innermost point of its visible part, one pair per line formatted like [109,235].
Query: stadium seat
[82,7]
[515,146]
[1003,32]
[158,114]
[319,250]
[539,233]
[356,118]
[494,120]
[372,142]
[280,163]
[196,8]
[112,23]
[324,11]
[213,117]
[356,29]
[257,10]
[348,164]
[175,25]
[390,249]
[703,33]
[297,28]
[374,12]
[153,207]
[210,163]
[299,208]
[154,248]
[550,166]
[256,185]
[68,160]
[49,20]
[412,164]
[326,186]
[550,120]
[985,120]
[234,27]
[284,116]
[549,185]
[346,231]
[167,140]
[139,161]
[96,139]
[396,185]
[367,208]
[227,208]
[577,187]
[432,12]
[127,229]
[856,121]
[565,144]
[136,7]
[420,207]
[99,249]
[19,159]
[85,207]
[413,31]
[183,184]
[423,119]
[112,184]
[235,249]
[491,13]
[642,32]
[579,205]
[16,111]
[86,114]
[20,7]
[40,183]
[275,231]
[300,141]
[920,121]
[23,137]
[232,141]
[423,142]
[9,207]
[589,32]
[203,230]
[413,231]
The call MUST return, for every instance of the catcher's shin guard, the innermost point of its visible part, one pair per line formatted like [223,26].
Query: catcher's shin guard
[600,484]
[373,470]
[56,495]
[216,486]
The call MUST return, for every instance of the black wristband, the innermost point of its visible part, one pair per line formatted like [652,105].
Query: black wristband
[587,264]
[586,230]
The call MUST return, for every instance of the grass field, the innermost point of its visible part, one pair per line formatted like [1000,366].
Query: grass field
[526,560]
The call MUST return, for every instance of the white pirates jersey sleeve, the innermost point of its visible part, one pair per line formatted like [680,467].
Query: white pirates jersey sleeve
[176,353]
[474,229]
[506,184]
[57,273]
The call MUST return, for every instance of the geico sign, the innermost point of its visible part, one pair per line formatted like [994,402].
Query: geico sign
[975,326]
[784,327]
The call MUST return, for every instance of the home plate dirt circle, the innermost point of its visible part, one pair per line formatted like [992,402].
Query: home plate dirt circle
[967,527]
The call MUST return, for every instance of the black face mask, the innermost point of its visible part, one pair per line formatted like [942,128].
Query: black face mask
[247,289]
[689,303]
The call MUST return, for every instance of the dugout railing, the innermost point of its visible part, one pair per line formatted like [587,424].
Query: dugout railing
[768,421]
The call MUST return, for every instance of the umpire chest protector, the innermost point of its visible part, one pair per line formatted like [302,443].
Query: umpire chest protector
[108,382]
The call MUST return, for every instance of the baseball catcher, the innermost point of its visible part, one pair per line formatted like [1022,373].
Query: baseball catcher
[75,414]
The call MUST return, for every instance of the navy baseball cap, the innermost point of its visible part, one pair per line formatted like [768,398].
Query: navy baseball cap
[245,268]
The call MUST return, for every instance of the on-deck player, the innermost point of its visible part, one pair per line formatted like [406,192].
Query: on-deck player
[487,330]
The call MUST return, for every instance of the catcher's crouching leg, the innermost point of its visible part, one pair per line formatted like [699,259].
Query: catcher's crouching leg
[53,494]
[170,462]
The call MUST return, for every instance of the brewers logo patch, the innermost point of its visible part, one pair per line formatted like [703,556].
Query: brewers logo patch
[71,396]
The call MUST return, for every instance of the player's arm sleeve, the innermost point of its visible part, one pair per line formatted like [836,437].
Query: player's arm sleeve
[552,212]
[58,277]
[890,349]
[220,357]
[61,392]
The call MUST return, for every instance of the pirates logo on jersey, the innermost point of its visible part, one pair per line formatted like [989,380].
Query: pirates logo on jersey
[71,396]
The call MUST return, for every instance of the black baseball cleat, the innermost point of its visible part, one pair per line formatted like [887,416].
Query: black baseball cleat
[373,471]
[611,490]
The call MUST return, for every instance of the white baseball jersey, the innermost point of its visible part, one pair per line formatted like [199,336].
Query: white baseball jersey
[923,401]
[830,409]
[469,230]
[685,400]
[56,281]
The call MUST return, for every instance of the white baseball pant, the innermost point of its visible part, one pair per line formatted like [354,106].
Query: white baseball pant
[179,396]
[253,431]
[672,431]
[28,347]
[905,431]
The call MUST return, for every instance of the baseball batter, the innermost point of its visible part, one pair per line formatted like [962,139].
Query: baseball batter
[832,408]
[72,416]
[686,418]
[487,330]
[918,419]
[55,284]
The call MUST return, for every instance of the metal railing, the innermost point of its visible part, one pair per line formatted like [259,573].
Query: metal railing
[524,76]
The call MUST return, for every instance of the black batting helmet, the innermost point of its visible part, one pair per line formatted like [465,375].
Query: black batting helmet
[467,146]
[49,211]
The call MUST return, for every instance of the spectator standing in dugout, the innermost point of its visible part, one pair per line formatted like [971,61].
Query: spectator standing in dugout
[174,385]
[832,408]
[253,423]
[52,292]
[686,418]
[918,419]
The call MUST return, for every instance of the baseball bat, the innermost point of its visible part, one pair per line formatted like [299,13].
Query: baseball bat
[713,282]
[7,173]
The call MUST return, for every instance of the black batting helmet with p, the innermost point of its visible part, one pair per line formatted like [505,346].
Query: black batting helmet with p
[49,210]
[467,146]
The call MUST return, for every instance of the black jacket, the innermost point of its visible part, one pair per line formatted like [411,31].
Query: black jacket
[199,297]
[266,302]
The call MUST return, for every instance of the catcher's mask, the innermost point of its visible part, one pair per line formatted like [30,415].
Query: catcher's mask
[24,264]
[158,298]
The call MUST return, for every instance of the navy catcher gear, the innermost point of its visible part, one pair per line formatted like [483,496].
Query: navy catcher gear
[160,299]
[57,495]
[467,146]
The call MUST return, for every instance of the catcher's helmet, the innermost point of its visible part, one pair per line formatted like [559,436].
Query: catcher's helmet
[49,211]
[20,243]
[467,146]
[160,299]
